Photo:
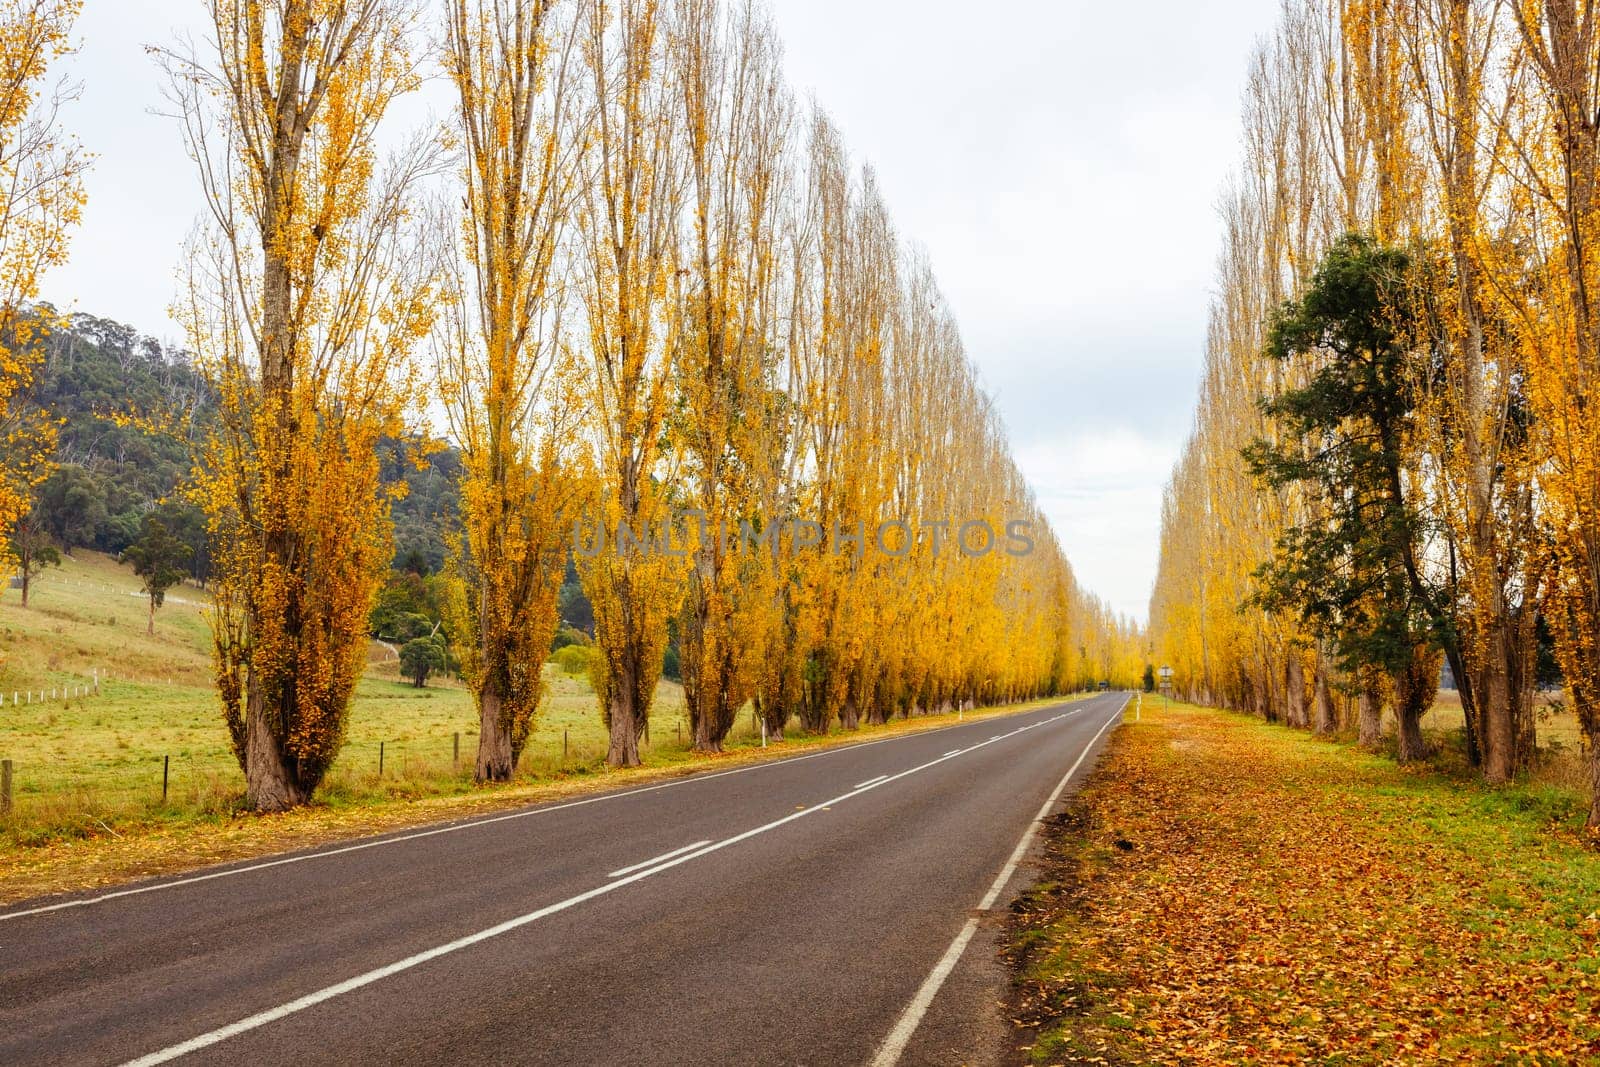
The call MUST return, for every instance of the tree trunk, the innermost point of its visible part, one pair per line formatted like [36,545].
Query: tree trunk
[624,750]
[270,783]
[1415,687]
[150,624]
[1296,696]
[494,740]
[776,717]
[1324,723]
[706,738]
[1369,719]
[1409,730]
[1494,691]
[850,715]
[1469,704]
[1594,786]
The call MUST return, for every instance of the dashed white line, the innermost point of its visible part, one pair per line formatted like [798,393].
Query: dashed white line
[657,859]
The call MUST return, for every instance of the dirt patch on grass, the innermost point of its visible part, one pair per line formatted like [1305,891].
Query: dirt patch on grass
[1251,895]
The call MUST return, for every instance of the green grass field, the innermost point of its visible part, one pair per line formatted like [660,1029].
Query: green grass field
[86,764]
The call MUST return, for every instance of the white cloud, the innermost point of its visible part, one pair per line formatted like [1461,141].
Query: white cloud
[1101,491]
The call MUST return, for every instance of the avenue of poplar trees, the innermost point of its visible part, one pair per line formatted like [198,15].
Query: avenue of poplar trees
[1323,549]
[638,284]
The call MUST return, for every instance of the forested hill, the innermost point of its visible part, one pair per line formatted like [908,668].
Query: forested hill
[110,387]
[127,405]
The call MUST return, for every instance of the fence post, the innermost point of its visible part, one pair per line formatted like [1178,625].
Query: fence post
[5,787]
[166,765]
[455,758]
[563,745]
[647,730]
[380,759]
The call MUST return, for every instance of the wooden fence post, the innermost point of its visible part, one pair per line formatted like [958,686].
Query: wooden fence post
[5,787]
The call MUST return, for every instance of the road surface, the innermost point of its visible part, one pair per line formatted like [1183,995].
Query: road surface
[823,909]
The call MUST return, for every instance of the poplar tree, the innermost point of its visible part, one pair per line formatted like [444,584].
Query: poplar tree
[304,298]
[504,381]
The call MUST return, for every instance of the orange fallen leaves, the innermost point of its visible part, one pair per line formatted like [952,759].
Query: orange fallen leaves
[1285,901]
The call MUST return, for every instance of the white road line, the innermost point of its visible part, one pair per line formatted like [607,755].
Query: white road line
[470,824]
[952,752]
[327,993]
[881,777]
[657,859]
[894,1046]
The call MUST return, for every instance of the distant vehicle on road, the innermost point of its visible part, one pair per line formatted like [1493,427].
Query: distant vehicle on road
[1104,686]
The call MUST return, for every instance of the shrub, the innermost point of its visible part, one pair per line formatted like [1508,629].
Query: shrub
[570,635]
[573,660]
[420,657]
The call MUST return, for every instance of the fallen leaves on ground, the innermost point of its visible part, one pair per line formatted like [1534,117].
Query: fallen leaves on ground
[1226,891]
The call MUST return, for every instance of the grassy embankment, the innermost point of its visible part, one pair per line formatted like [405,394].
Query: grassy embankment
[1229,891]
[88,770]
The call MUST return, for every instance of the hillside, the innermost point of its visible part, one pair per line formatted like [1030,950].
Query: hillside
[128,406]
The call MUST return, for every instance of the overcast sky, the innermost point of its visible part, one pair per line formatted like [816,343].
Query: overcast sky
[1060,160]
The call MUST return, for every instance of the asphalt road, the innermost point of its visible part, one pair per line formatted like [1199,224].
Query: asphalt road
[825,909]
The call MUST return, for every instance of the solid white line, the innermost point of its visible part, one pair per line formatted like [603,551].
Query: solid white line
[657,859]
[952,752]
[262,1018]
[894,1046]
[875,781]
[466,825]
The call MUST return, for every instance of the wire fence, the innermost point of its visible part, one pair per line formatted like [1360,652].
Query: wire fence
[48,795]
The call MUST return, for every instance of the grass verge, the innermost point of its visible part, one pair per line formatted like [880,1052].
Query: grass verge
[1229,891]
[223,833]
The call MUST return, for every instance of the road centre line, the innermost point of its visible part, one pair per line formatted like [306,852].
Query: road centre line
[349,985]
[657,859]
[875,781]
[468,824]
